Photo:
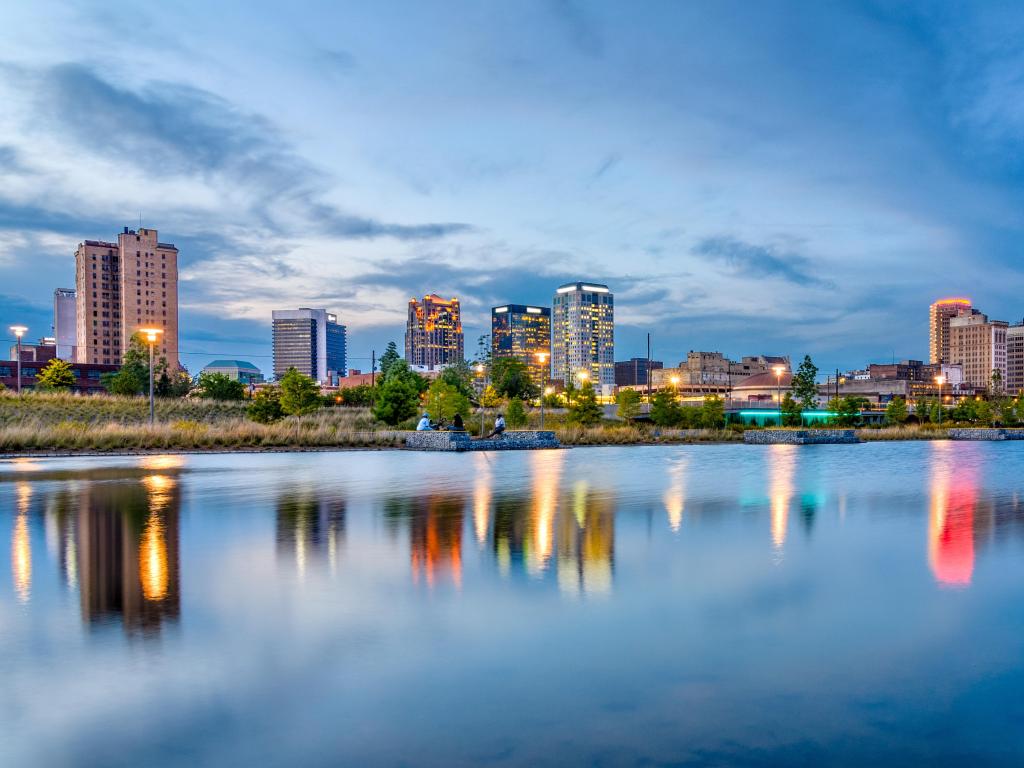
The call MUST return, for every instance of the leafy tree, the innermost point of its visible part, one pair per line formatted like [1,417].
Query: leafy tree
[516,414]
[986,414]
[220,386]
[398,395]
[847,410]
[299,393]
[995,387]
[389,358]
[896,411]
[628,401]
[665,411]
[791,412]
[585,410]
[511,378]
[490,398]
[712,412]
[937,414]
[483,351]
[361,395]
[265,406]
[126,381]
[443,401]
[460,376]
[56,375]
[805,384]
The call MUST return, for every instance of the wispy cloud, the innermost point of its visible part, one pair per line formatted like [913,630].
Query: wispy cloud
[760,261]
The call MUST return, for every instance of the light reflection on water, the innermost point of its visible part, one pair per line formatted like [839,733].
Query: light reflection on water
[711,604]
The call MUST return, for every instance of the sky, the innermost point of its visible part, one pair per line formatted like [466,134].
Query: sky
[751,178]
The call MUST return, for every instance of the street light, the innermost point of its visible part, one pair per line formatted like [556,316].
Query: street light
[479,370]
[778,370]
[940,380]
[19,331]
[151,337]
[542,358]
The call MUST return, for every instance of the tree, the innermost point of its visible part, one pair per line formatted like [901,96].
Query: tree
[628,401]
[299,393]
[896,411]
[55,376]
[792,413]
[516,414]
[805,384]
[665,411]
[995,387]
[460,376]
[388,359]
[511,378]
[483,351]
[585,410]
[712,412]
[220,386]
[361,395]
[443,401]
[490,398]
[266,405]
[398,394]
[124,382]
[846,410]
[937,414]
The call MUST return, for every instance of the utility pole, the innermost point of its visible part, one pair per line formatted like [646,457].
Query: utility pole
[648,373]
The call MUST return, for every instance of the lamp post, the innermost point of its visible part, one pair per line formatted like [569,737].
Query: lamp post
[19,331]
[542,358]
[151,337]
[778,370]
[940,380]
[675,387]
[548,391]
[479,370]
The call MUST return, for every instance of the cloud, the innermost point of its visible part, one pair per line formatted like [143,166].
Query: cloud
[170,129]
[579,26]
[337,60]
[748,260]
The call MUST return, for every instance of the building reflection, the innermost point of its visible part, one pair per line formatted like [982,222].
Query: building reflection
[122,549]
[482,494]
[310,526]
[21,544]
[675,495]
[586,542]
[954,498]
[782,466]
[435,522]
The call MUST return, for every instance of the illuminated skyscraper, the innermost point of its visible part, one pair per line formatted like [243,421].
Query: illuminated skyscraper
[524,333]
[310,340]
[433,333]
[939,315]
[583,334]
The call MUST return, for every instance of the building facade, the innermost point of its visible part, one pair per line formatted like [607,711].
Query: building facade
[583,335]
[433,332]
[122,287]
[1015,359]
[978,345]
[523,332]
[712,373]
[239,370]
[65,322]
[939,315]
[310,340]
[88,376]
[635,371]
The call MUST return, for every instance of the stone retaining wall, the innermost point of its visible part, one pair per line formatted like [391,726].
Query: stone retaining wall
[461,441]
[799,436]
[983,433]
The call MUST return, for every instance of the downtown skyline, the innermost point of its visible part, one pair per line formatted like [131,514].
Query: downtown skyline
[718,176]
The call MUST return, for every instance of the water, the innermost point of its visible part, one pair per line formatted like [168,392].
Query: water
[706,605]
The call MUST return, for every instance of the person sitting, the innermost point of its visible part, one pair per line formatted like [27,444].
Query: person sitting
[457,424]
[499,427]
[425,425]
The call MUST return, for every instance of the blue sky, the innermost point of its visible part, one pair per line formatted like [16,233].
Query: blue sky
[779,178]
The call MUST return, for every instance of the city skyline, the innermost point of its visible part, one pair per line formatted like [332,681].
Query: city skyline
[726,191]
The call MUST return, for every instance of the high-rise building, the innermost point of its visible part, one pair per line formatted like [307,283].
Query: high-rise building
[979,346]
[433,332]
[524,333]
[65,323]
[583,334]
[635,371]
[939,315]
[311,341]
[122,287]
[1015,359]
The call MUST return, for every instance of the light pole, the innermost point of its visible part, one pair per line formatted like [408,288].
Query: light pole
[151,336]
[778,370]
[479,369]
[675,387]
[542,358]
[19,331]
[940,380]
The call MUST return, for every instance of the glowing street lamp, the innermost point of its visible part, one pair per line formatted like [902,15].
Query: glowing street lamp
[19,331]
[778,370]
[675,386]
[940,380]
[151,335]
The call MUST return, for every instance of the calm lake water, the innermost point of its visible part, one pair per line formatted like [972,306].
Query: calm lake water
[705,605]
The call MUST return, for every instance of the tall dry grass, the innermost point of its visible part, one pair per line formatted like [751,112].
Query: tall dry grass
[629,434]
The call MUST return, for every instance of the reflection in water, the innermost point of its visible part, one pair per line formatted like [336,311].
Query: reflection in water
[435,533]
[21,545]
[481,495]
[675,495]
[310,525]
[546,468]
[954,495]
[586,543]
[127,552]
[782,464]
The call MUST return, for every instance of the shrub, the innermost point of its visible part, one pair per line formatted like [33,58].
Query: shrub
[299,393]
[628,401]
[516,414]
[265,407]
[220,386]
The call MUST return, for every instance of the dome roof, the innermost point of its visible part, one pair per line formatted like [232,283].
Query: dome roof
[766,381]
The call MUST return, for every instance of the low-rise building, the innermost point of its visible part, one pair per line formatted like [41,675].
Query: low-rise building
[88,376]
[239,370]
[634,372]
